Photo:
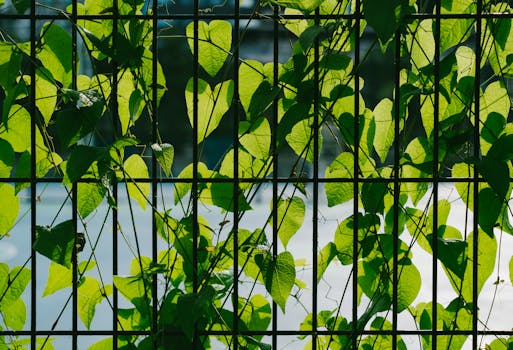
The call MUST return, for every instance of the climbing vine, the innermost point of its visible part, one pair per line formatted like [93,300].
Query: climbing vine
[443,126]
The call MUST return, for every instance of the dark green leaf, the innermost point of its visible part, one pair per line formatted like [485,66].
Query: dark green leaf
[496,172]
[21,5]
[56,243]
[385,17]
[279,275]
[81,159]
[6,158]
[373,194]
[452,253]
[490,206]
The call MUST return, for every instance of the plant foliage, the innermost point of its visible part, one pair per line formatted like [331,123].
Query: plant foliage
[431,154]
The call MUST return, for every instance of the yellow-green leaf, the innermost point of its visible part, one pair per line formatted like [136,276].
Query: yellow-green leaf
[135,167]
[214,43]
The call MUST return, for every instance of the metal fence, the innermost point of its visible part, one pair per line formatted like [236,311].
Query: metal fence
[355,255]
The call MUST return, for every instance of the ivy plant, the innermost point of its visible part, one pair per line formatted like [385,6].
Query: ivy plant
[443,126]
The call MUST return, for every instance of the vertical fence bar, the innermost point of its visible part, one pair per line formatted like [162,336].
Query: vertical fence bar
[315,189]
[236,117]
[436,160]
[274,150]
[477,151]
[33,178]
[74,188]
[396,180]
[154,176]
[356,175]
[195,160]
[115,187]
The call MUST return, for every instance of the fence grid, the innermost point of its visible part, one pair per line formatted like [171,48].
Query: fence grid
[232,331]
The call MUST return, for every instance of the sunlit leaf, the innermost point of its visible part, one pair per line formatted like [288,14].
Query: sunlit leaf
[342,167]
[214,43]
[10,208]
[90,294]
[135,168]
[279,275]
[454,31]
[212,105]
[291,214]
[18,129]
[384,136]
[255,137]
[56,52]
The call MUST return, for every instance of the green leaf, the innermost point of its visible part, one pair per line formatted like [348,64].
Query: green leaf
[373,194]
[129,107]
[135,167]
[466,60]
[421,43]
[300,139]
[164,153]
[21,5]
[302,5]
[13,283]
[192,308]
[490,206]
[133,290]
[215,40]
[10,208]
[6,158]
[212,105]
[75,123]
[60,277]
[324,258]
[17,128]
[46,95]
[90,294]
[14,314]
[384,136]
[342,167]
[368,226]
[502,149]
[104,344]
[511,269]
[256,313]
[455,31]
[89,197]
[182,188]
[408,286]
[487,251]
[56,52]
[254,76]
[255,137]
[496,173]
[279,275]
[56,243]
[452,250]
[290,215]
[80,159]
[385,17]
[222,195]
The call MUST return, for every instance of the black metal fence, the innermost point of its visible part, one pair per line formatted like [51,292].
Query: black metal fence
[361,253]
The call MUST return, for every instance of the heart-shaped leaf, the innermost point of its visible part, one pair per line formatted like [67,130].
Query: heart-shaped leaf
[212,105]
[214,43]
